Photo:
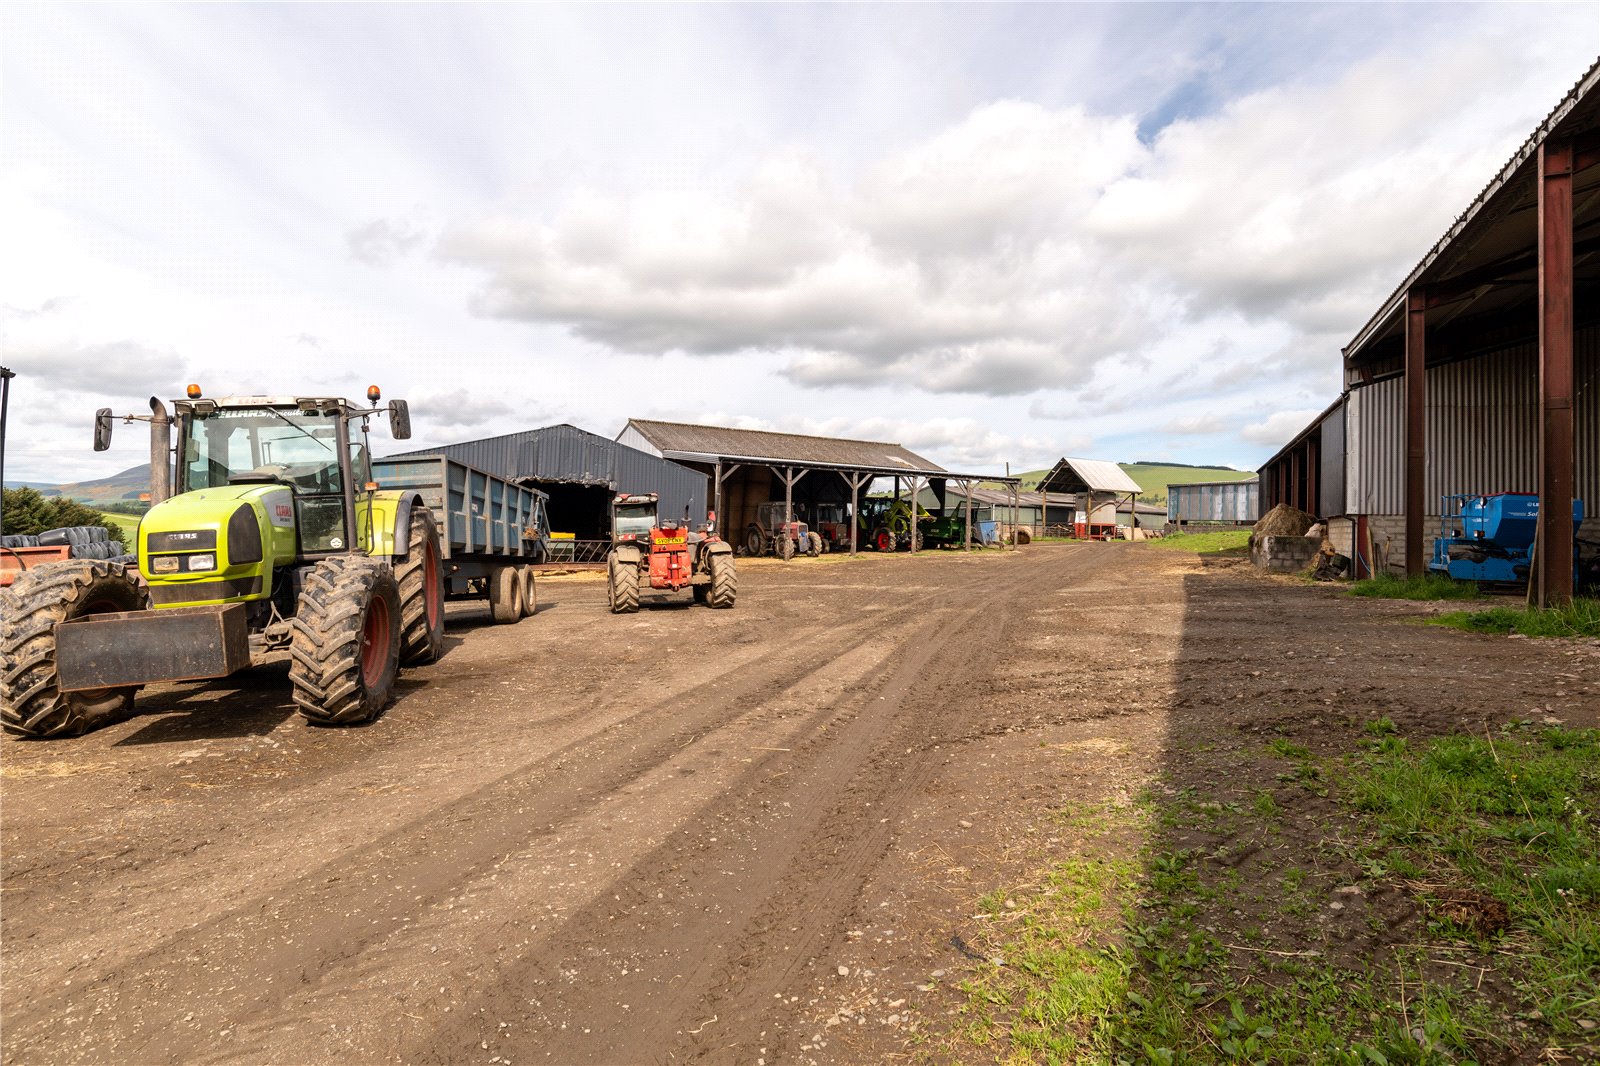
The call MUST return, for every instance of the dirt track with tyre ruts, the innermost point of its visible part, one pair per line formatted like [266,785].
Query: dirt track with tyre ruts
[682,834]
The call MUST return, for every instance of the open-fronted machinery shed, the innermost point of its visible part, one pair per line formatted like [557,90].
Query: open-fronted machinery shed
[581,472]
[747,468]
[1481,372]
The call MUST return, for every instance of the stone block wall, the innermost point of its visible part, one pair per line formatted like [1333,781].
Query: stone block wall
[1285,555]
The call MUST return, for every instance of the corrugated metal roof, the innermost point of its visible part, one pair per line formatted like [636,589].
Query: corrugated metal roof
[678,440]
[1507,183]
[1088,475]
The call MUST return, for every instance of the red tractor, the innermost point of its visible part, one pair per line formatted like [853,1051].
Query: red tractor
[665,557]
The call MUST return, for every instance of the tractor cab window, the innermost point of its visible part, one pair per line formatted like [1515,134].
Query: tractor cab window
[281,446]
[257,445]
[638,518]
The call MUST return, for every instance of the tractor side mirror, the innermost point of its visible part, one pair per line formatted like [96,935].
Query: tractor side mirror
[399,420]
[102,429]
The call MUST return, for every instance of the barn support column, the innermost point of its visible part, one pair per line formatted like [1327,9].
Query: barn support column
[1416,426]
[856,482]
[789,478]
[967,546]
[912,492]
[723,474]
[1553,552]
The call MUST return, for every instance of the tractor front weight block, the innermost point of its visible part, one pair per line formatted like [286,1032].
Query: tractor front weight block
[146,647]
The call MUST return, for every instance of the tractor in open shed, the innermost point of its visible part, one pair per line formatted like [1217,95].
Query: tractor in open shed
[771,532]
[667,558]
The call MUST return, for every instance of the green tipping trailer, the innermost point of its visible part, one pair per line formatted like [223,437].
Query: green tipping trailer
[487,527]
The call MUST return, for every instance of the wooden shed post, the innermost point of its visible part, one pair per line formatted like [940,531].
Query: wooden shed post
[968,545]
[1416,423]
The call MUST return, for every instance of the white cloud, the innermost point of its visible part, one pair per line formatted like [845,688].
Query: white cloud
[382,242]
[1277,428]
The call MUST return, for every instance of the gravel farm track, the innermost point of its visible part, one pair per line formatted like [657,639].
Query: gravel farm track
[749,836]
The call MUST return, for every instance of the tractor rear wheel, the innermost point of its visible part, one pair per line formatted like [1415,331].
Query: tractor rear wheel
[624,588]
[813,544]
[345,650]
[421,581]
[505,595]
[785,547]
[530,594]
[31,702]
[724,581]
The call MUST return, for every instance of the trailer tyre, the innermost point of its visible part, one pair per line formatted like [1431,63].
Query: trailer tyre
[813,544]
[421,580]
[505,595]
[31,702]
[724,581]
[624,588]
[345,649]
[530,594]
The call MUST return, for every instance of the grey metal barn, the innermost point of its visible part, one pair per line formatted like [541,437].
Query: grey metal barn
[1217,502]
[581,471]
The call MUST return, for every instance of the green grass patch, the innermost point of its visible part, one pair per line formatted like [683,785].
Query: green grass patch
[1511,819]
[1205,543]
[1428,586]
[1580,618]
[129,524]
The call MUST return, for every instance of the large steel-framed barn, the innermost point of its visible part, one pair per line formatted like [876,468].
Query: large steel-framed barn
[581,471]
[747,468]
[1480,374]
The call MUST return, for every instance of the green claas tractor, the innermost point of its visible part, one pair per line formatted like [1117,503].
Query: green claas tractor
[274,540]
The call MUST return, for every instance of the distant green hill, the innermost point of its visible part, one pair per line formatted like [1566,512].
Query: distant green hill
[126,485]
[1153,478]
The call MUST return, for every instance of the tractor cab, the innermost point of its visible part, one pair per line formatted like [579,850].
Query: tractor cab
[633,516]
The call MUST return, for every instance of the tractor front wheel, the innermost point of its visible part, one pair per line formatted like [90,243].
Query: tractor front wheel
[421,581]
[724,581]
[883,540]
[785,547]
[624,588]
[813,544]
[754,542]
[345,650]
[31,701]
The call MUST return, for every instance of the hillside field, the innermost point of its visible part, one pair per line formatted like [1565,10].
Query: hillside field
[1154,478]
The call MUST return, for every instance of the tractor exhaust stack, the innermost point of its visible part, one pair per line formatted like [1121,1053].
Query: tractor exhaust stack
[160,452]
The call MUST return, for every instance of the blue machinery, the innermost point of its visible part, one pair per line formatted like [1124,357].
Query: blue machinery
[1490,537]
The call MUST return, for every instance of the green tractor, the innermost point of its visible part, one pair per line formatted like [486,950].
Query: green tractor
[274,540]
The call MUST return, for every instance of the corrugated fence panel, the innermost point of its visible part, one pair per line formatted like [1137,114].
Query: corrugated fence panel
[1482,434]
[1229,501]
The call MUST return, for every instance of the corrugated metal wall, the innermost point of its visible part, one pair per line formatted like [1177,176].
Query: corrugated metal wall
[1228,501]
[569,454]
[1482,435]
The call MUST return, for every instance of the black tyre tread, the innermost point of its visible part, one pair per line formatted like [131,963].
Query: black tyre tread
[530,592]
[505,595]
[813,544]
[624,588]
[419,643]
[785,547]
[325,650]
[31,703]
[724,581]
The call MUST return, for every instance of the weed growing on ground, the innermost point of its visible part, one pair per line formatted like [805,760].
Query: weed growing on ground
[1494,837]
[1580,618]
[1421,587]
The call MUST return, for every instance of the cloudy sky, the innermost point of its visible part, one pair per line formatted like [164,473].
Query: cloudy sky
[992,233]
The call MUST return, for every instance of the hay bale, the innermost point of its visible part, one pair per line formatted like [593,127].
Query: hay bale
[1283,521]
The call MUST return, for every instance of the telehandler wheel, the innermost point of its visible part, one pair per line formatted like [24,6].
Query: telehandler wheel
[505,595]
[31,704]
[530,594]
[345,649]
[724,581]
[813,544]
[624,590]
[421,581]
[785,547]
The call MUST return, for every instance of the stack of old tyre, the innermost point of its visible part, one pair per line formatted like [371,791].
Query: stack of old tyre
[83,542]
